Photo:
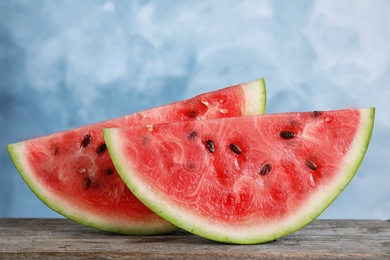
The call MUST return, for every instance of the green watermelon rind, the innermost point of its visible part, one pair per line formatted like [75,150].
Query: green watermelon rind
[318,203]
[255,95]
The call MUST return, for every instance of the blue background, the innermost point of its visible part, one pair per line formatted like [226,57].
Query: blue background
[65,64]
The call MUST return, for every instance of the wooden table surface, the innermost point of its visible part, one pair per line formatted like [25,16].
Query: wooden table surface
[65,239]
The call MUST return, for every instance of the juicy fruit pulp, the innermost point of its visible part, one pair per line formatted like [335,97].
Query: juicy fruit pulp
[245,179]
[72,172]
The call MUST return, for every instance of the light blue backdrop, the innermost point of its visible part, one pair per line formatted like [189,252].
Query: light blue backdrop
[64,64]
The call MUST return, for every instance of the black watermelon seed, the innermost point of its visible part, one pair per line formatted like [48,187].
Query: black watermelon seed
[87,183]
[56,151]
[287,134]
[210,146]
[109,171]
[312,165]
[87,139]
[235,148]
[192,135]
[101,149]
[192,113]
[266,169]
[316,113]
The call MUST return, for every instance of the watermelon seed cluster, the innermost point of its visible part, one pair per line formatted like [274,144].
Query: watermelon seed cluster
[87,141]
[266,169]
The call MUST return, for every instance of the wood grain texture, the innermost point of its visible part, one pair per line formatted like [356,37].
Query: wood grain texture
[65,239]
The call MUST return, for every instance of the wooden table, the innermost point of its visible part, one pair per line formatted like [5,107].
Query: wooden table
[65,239]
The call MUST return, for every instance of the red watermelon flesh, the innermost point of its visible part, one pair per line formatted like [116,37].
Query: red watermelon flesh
[246,179]
[72,172]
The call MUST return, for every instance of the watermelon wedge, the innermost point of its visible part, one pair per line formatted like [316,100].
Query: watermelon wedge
[72,173]
[246,179]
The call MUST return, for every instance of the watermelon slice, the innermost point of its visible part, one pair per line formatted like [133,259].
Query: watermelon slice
[72,173]
[246,179]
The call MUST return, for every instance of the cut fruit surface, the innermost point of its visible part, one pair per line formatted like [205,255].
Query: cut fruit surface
[72,172]
[245,179]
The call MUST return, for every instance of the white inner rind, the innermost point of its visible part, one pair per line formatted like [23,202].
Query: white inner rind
[248,233]
[255,97]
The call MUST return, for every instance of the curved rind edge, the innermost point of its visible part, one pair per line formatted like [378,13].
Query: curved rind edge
[16,151]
